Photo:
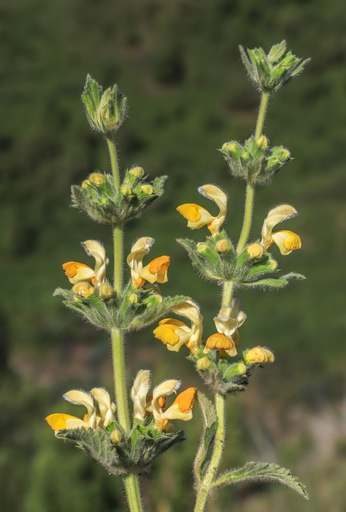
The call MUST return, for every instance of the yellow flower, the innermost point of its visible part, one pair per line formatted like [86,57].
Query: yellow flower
[287,241]
[197,216]
[175,333]
[258,355]
[230,319]
[77,272]
[227,323]
[181,408]
[92,419]
[155,271]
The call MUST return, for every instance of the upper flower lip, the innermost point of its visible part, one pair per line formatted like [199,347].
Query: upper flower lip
[197,216]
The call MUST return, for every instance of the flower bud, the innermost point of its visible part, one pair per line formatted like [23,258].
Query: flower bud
[137,171]
[258,355]
[97,179]
[85,184]
[255,250]
[233,149]
[133,298]
[273,264]
[147,189]
[234,370]
[106,292]
[126,190]
[246,155]
[203,363]
[202,247]
[115,436]
[223,245]
[262,142]
[83,289]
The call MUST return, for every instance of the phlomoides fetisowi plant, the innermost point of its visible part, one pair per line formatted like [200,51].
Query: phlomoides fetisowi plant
[127,440]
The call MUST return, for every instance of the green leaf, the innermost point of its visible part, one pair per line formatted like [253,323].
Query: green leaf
[97,444]
[277,51]
[91,98]
[262,472]
[273,282]
[210,424]
[154,312]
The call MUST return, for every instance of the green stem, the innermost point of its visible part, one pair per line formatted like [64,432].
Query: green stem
[114,160]
[131,482]
[250,189]
[215,461]
[261,114]
[245,231]
[133,493]
[227,294]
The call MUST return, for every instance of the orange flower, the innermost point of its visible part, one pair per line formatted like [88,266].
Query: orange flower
[220,341]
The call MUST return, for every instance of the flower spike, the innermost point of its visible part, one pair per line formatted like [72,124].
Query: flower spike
[287,241]
[197,216]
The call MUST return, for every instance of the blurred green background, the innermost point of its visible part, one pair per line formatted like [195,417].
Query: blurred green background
[178,63]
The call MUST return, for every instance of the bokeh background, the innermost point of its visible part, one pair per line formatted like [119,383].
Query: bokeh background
[178,63]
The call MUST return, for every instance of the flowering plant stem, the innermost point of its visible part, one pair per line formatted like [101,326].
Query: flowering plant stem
[206,485]
[131,482]
[219,441]
[250,189]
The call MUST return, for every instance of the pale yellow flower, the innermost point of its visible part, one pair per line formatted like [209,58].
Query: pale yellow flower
[77,272]
[98,397]
[287,241]
[197,216]
[175,333]
[227,323]
[181,408]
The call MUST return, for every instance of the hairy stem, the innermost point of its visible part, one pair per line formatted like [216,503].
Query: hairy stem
[206,485]
[250,189]
[131,482]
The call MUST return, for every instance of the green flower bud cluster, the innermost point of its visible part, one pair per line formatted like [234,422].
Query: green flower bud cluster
[121,453]
[270,72]
[223,375]
[105,110]
[244,269]
[135,309]
[255,162]
[211,262]
[103,202]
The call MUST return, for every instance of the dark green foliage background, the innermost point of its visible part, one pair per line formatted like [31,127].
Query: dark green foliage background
[178,63]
